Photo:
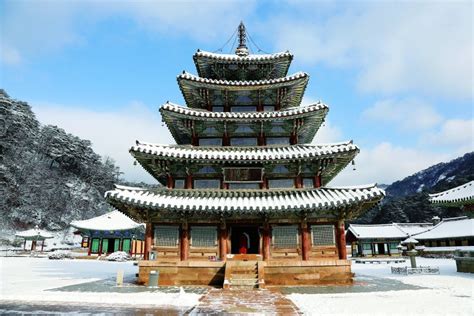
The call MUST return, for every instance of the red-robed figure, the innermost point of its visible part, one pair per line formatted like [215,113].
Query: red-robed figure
[243,248]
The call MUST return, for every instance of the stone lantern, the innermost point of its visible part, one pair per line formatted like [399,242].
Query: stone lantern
[411,242]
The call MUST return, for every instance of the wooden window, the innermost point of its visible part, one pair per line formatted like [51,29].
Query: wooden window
[238,175]
[243,141]
[308,183]
[323,235]
[285,236]
[243,109]
[244,186]
[278,141]
[210,141]
[179,183]
[166,236]
[281,183]
[203,236]
[207,184]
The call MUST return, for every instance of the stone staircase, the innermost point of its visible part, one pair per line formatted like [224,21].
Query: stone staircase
[243,274]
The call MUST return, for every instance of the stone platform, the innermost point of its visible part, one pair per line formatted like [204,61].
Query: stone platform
[262,302]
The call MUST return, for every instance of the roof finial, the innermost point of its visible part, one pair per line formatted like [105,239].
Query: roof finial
[242,49]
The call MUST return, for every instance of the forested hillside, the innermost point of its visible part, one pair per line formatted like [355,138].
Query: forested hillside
[407,199]
[47,176]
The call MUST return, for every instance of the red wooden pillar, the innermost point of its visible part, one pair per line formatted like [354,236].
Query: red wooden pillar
[261,139]
[184,242]
[142,247]
[293,138]
[189,182]
[264,184]
[341,240]
[169,181]
[89,250]
[299,181]
[225,139]
[148,239]
[100,246]
[305,241]
[317,181]
[223,242]
[267,239]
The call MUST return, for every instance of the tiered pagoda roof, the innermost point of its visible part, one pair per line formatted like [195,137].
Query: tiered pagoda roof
[243,112]
[262,66]
[256,202]
[287,91]
[177,119]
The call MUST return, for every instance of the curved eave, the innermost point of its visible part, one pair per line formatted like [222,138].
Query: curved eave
[188,83]
[205,60]
[155,159]
[175,117]
[350,201]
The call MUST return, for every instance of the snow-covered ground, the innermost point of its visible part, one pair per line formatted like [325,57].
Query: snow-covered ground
[449,293]
[39,280]
[31,279]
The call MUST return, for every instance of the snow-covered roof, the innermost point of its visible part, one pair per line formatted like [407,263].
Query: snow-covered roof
[409,240]
[238,83]
[245,201]
[362,231]
[414,228]
[111,221]
[460,194]
[34,233]
[244,115]
[243,154]
[450,228]
[248,58]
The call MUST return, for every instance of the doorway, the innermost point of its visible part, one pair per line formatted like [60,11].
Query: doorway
[244,240]
[380,249]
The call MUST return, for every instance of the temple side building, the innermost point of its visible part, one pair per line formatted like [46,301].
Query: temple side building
[111,232]
[246,200]
[460,196]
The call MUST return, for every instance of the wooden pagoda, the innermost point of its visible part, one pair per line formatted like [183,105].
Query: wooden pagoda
[245,201]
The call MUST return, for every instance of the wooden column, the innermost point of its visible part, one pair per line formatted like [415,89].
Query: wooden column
[223,241]
[267,239]
[24,245]
[305,241]
[225,139]
[42,245]
[341,240]
[89,250]
[317,181]
[259,104]
[299,181]
[189,182]
[184,242]
[169,181]
[261,139]
[100,246]
[293,139]
[148,240]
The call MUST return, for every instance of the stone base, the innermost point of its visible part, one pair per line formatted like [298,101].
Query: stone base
[276,273]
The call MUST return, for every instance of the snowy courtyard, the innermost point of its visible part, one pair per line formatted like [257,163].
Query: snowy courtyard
[41,282]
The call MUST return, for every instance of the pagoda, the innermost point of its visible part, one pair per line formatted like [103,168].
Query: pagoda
[245,200]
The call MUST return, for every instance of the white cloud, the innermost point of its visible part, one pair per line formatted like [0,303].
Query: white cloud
[112,133]
[404,114]
[386,163]
[455,132]
[29,28]
[395,47]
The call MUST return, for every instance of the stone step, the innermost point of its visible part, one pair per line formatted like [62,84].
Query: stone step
[244,276]
[243,282]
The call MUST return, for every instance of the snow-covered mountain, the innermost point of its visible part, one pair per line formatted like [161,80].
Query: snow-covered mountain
[407,200]
[47,176]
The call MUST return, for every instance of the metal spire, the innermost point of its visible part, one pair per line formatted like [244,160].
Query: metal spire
[242,49]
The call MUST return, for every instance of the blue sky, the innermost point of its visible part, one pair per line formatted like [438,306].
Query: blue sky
[396,75]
